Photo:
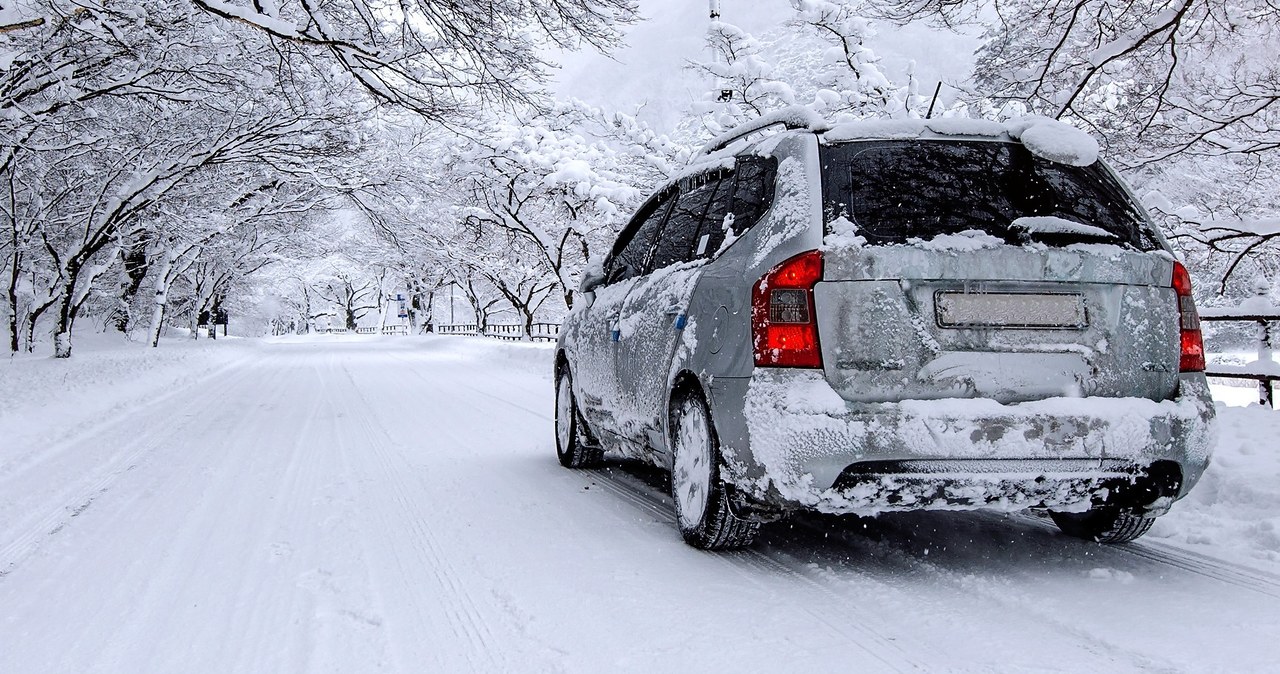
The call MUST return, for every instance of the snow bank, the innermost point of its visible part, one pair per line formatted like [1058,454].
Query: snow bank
[43,399]
[533,357]
[1234,512]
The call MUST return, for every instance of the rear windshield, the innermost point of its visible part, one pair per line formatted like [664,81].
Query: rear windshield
[895,191]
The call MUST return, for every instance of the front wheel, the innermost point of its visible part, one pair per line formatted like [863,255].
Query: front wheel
[573,447]
[702,504]
[1104,524]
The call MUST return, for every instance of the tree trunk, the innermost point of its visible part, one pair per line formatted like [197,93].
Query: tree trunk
[430,312]
[33,315]
[132,274]
[14,344]
[75,292]
[161,301]
[66,314]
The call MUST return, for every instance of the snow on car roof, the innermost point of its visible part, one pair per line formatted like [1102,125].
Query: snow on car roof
[1045,137]
[791,117]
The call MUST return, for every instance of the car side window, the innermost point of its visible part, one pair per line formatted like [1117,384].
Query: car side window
[629,261]
[712,232]
[743,198]
[753,191]
[676,242]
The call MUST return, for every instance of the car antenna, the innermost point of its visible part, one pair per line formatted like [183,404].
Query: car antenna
[936,91]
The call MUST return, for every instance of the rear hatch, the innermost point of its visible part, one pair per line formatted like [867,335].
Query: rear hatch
[959,269]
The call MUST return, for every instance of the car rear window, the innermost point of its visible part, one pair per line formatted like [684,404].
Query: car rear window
[895,191]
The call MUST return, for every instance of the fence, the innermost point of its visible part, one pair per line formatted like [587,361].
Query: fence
[398,329]
[540,332]
[1264,370]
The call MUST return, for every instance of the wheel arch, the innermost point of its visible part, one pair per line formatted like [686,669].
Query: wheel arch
[562,362]
[683,384]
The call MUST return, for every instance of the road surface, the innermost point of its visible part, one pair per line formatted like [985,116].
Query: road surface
[395,505]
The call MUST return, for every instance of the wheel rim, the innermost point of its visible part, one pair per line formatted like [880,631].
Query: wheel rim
[692,474]
[564,414]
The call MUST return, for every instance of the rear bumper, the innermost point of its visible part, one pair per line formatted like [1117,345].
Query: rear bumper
[791,442]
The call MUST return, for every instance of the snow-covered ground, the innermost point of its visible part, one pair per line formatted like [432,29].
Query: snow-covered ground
[394,504]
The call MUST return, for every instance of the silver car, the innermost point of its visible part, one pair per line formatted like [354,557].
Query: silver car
[889,316]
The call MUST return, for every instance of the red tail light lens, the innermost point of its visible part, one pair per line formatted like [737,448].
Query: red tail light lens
[784,325]
[1192,359]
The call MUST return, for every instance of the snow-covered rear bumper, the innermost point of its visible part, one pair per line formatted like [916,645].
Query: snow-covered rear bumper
[796,443]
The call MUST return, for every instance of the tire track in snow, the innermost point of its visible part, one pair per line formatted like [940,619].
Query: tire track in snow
[491,376]
[169,572]
[215,499]
[61,509]
[1255,580]
[786,559]
[976,587]
[299,480]
[463,614]
[1069,558]
[752,563]
[1216,569]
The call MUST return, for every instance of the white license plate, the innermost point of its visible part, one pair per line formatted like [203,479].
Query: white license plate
[1010,310]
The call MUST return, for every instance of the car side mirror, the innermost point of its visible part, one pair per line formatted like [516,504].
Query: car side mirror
[592,277]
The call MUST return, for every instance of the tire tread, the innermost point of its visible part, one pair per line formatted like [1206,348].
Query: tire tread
[1104,525]
[720,528]
[582,452]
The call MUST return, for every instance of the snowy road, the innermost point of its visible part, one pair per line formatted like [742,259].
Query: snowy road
[396,505]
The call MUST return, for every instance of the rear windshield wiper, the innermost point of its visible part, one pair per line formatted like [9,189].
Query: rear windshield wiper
[1051,229]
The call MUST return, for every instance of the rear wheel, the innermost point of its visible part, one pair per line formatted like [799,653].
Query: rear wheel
[573,446]
[1104,525]
[702,504]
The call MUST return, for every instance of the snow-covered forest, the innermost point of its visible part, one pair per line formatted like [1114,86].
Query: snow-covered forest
[295,164]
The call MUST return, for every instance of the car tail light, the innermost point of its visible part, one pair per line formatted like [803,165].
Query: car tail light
[1192,359]
[784,325]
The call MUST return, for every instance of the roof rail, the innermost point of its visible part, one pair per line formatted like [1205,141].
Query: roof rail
[791,118]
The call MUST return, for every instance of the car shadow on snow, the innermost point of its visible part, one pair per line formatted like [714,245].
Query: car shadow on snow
[964,543]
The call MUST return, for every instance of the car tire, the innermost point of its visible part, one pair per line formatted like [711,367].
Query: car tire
[1105,525]
[574,446]
[701,500]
